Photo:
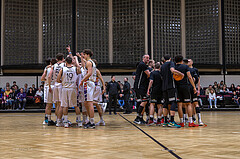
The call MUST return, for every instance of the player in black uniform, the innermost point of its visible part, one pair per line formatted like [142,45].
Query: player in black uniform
[156,94]
[140,86]
[183,90]
[194,100]
[169,90]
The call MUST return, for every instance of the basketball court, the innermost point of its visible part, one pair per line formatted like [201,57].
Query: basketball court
[23,136]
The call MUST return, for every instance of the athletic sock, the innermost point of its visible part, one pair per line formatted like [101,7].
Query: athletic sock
[190,120]
[92,120]
[65,118]
[165,119]
[78,118]
[101,118]
[84,118]
[172,118]
[181,120]
[49,117]
[151,117]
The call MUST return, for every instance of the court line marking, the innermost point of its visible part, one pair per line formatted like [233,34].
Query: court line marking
[165,148]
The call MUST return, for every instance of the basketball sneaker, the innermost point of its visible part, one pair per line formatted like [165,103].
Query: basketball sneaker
[200,123]
[192,125]
[79,124]
[182,124]
[137,120]
[142,122]
[104,106]
[174,125]
[89,125]
[165,124]
[150,122]
[51,123]
[101,123]
[158,123]
[66,124]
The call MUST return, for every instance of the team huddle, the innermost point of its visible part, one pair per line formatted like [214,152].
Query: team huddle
[167,85]
[69,83]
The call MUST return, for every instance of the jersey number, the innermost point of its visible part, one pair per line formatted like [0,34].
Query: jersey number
[69,76]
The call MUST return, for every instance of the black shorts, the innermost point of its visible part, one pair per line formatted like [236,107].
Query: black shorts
[156,98]
[194,97]
[141,93]
[169,95]
[184,94]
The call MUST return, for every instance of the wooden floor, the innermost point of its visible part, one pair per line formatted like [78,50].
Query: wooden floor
[24,136]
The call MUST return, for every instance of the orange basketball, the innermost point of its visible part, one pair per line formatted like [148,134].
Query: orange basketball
[177,77]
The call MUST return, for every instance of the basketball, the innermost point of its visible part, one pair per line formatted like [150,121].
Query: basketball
[177,77]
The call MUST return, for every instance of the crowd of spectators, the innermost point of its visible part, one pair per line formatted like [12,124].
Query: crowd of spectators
[221,93]
[13,97]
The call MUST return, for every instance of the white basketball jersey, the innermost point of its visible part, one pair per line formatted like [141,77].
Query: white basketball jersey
[94,73]
[56,69]
[69,77]
[79,79]
[47,74]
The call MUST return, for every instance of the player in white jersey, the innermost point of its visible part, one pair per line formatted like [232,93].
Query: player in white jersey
[89,86]
[57,91]
[68,76]
[97,95]
[48,96]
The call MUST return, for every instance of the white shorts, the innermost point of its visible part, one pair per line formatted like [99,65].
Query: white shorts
[48,97]
[80,96]
[57,93]
[89,88]
[69,97]
[97,95]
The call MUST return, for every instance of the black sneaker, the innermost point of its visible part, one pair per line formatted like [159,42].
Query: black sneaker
[51,123]
[89,125]
[137,120]
[142,122]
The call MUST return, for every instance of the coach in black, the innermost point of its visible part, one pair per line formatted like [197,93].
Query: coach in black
[141,86]
[126,92]
[113,89]
[169,90]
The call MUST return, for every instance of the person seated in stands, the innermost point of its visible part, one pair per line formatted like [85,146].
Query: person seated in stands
[14,84]
[221,84]
[212,97]
[224,90]
[236,98]
[34,89]
[215,84]
[232,88]
[7,85]
[30,95]
[121,101]
[39,95]
[21,99]
[25,88]
[238,89]
[132,100]
[208,90]
[10,100]
[216,89]
[2,103]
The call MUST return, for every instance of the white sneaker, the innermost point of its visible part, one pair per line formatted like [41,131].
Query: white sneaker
[44,123]
[80,124]
[104,107]
[200,123]
[59,124]
[215,106]
[101,123]
[66,125]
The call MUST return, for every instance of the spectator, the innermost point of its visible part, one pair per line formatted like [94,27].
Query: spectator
[208,89]
[232,88]
[30,95]
[221,84]
[21,99]
[235,98]
[42,88]
[133,76]
[215,84]
[238,89]
[121,101]
[14,84]
[39,95]
[121,85]
[112,91]
[126,92]
[2,103]
[16,90]
[7,85]
[34,89]
[10,100]
[132,101]
[7,91]
[212,97]
[202,92]
[216,89]
[224,90]
[25,88]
